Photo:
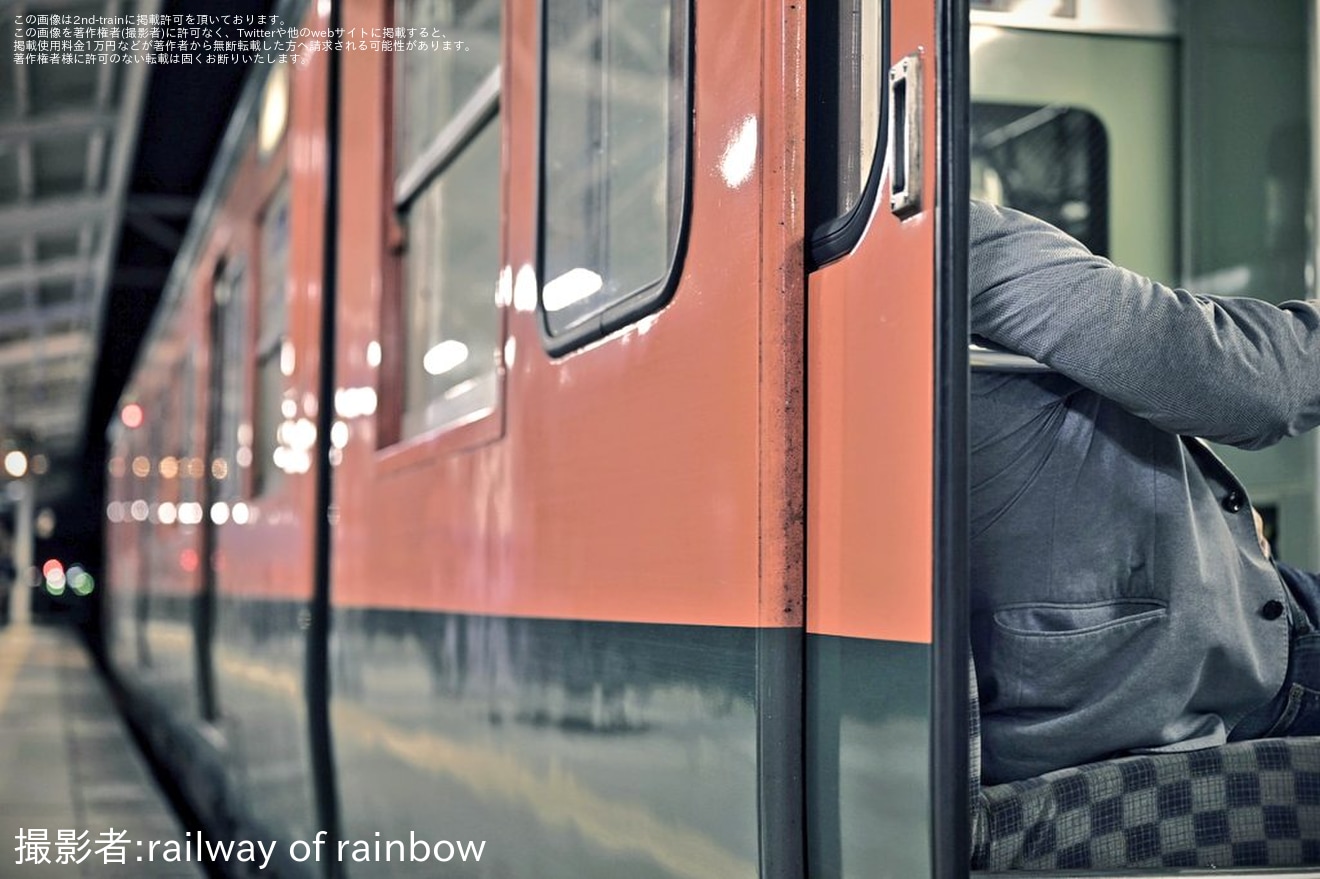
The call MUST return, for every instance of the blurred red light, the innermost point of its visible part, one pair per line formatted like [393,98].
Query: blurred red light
[51,567]
[188,560]
[131,415]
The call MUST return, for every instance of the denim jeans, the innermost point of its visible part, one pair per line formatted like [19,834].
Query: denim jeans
[1295,711]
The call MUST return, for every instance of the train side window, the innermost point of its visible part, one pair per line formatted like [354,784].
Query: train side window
[448,198]
[847,56]
[272,358]
[229,447]
[174,466]
[613,162]
[1048,161]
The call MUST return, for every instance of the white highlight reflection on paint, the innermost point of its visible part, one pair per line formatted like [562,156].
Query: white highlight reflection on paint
[739,157]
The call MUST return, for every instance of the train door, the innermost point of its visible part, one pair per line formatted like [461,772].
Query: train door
[886,349]
[1172,137]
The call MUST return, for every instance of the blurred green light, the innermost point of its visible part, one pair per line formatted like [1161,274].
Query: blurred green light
[83,584]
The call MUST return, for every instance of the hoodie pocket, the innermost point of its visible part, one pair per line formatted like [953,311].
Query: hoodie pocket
[1059,656]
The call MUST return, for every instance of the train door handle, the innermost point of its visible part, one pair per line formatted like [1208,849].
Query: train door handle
[905,108]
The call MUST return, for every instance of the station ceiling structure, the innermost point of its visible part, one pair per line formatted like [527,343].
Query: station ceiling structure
[100,167]
[67,140]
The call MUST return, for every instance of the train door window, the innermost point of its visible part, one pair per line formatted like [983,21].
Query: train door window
[448,197]
[273,354]
[229,448]
[1048,161]
[846,117]
[614,161]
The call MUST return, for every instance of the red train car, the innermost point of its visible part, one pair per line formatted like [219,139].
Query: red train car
[555,438]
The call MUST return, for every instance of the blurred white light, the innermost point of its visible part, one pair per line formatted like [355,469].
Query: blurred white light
[287,358]
[139,510]
[219,512]
[114,511]
[445,356]
[190,513]
[504,288]
[524,289]
[289,409]
[572,286]
[303,434]
[44,523]
[239,513]
[274,110]
[339,434]
[167,513]
[16,464]
[355,402]
[460,389]
[373,354]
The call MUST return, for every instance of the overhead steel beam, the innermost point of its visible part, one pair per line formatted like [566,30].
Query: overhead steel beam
[53,214]
[51,125]
[59,345]
[69,268]
[28,319]
[53,371]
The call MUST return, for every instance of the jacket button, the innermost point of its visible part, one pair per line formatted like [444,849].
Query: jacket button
[1272,610]
[1234,502]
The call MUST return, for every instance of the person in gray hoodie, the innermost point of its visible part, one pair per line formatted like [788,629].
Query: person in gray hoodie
[1122,598]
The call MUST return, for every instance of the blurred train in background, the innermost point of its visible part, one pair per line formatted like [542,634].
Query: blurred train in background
[552,433]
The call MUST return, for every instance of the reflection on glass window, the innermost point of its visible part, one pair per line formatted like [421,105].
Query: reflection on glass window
[845,98]
[614,151]
[448,196]
[451,269]
[1051,162]
[272,329]
[434,86]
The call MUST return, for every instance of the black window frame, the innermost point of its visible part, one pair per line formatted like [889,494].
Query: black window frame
[648,299]
[831,235]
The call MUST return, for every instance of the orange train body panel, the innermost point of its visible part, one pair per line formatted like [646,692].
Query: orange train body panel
[871,419]
[624,480]
[273,559]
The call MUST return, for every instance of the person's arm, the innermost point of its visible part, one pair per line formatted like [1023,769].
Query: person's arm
[1233,370]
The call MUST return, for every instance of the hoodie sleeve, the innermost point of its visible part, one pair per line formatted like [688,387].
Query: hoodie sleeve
[1234,370]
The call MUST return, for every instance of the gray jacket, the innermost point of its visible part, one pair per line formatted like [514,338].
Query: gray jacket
[1120,599]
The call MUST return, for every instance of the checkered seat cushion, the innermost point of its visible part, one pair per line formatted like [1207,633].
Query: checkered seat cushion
[1244,804]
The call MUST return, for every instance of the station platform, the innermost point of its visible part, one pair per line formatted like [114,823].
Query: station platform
[77,800]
